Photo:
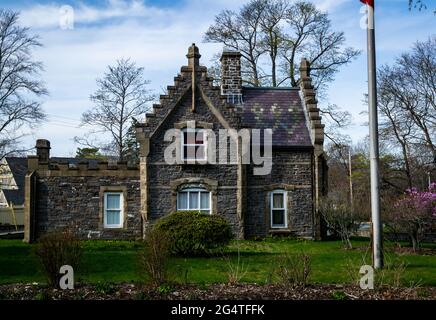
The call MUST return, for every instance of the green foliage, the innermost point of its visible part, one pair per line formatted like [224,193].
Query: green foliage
[194,233]
[339,295]
[104,287]
[117,261]
[165,288]
[89,153]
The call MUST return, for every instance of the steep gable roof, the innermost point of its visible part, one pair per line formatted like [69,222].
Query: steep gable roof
[18,168]
[279,109]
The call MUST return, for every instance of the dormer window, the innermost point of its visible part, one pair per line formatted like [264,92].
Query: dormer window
[193,144]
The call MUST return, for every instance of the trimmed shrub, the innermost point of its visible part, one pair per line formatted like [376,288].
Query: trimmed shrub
[194,233]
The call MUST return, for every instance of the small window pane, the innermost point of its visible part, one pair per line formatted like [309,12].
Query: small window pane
[113,201]
[199,137]
[182,201]
[204,200]
[189,137]
[278,217]
[193,200]
[278,200]
[199,153]
[113,217]
[189,152]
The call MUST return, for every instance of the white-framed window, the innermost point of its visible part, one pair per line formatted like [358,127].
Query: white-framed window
[113,210]
[194,199]
[193,144]
[279,210]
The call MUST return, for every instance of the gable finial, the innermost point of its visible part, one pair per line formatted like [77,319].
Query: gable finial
[193,56]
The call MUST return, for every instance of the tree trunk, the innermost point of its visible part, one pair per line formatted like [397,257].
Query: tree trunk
[415,242]
[273,71]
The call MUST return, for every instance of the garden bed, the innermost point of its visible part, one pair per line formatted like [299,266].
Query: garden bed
[130,291]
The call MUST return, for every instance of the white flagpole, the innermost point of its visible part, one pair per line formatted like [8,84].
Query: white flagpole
[377,242]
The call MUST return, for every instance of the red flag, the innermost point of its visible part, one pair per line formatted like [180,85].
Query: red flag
[368,2]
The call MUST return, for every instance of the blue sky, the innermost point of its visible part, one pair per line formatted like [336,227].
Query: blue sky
[156,34]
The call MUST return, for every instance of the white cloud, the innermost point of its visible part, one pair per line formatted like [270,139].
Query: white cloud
[329,5]
[158,38]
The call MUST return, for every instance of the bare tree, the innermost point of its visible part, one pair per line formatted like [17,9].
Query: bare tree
[121,95]
[407,93]
[20,82]
[419,4]
[275,35]
[286,32]
[273,14]
[310,35]
[339,217]
[241,31]
[395,128]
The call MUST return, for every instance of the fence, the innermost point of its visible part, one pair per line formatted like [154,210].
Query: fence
[12,216]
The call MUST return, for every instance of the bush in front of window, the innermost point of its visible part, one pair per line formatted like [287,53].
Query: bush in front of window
[56,249]
[195,233]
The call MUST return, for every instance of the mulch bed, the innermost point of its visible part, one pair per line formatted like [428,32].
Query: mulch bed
[128,291]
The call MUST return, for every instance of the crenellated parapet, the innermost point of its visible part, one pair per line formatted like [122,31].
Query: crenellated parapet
[43,165]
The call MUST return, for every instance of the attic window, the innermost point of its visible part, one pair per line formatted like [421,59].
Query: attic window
[193,144]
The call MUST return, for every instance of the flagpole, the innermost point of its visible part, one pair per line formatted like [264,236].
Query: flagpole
[377,243]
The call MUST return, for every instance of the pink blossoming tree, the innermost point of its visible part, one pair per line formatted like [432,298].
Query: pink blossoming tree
[415,214]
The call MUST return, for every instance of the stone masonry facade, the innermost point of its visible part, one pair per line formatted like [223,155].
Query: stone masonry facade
[61,195]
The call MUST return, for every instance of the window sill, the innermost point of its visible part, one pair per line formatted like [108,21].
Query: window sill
[194,163]
[281,230]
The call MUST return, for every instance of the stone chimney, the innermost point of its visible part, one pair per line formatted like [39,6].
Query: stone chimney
[43,150]
[193,56]
[231,79]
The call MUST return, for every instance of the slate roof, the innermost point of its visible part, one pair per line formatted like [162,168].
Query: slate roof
[15,196]
[280,109]
[18,167]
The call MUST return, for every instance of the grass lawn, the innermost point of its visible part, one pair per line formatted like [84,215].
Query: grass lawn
[115,261]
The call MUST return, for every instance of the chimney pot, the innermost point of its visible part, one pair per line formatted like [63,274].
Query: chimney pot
[43,150]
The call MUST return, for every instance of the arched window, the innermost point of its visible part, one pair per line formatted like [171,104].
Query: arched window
[279,216]
[194,199]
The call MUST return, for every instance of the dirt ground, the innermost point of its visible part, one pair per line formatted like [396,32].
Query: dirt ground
[131,291]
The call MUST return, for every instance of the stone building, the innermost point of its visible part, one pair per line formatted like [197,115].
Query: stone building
[181,142]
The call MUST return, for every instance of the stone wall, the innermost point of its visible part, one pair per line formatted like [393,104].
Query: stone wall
[291,171]
[72,197]
[161,190]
